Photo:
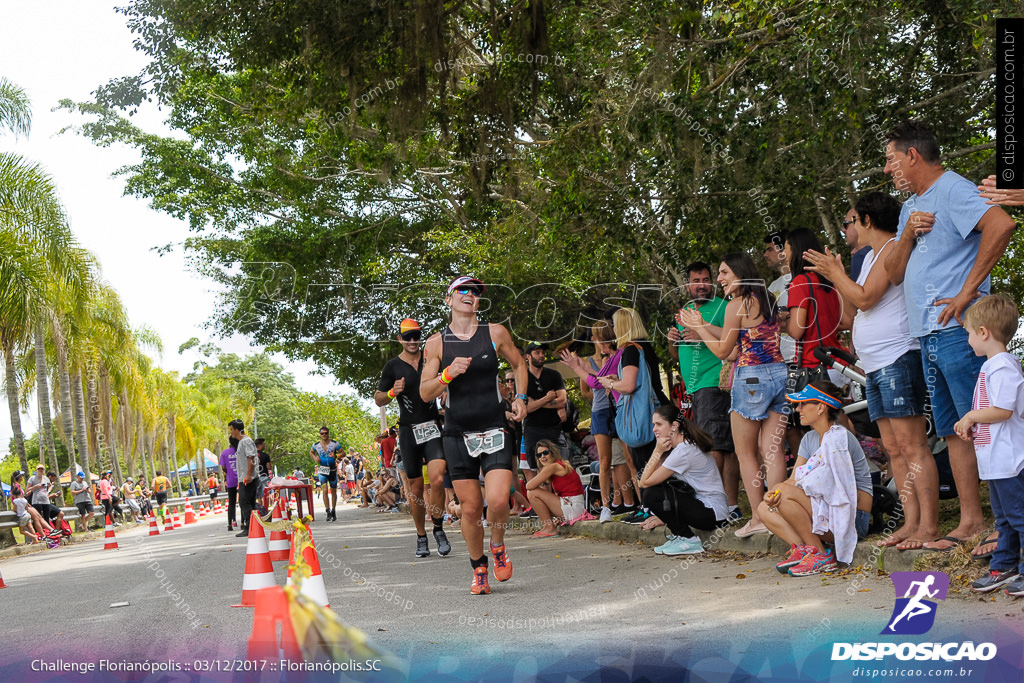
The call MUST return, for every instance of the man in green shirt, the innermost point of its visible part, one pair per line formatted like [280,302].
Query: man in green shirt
[700,369]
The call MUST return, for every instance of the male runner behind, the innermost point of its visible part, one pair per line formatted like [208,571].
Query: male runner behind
[463,360]
[546,391]
[420,435]
[325,464]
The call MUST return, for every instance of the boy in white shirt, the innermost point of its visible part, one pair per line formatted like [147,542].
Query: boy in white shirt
[996,423]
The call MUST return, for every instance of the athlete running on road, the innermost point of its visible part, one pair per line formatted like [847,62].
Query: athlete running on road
[325,459]
[475,433]
[419,434]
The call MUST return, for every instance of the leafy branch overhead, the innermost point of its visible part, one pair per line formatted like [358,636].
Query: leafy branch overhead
[334,148]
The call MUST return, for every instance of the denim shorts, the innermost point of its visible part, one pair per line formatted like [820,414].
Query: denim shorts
[950,371]
[897,390]
[602,422]
[862,522]
[758,390]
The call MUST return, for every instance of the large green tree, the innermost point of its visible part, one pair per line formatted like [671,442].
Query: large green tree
[331,157]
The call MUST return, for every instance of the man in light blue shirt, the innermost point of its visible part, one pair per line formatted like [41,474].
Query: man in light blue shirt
[949,240]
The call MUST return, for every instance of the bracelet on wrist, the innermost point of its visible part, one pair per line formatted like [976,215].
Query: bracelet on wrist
[521,397]
[445,377]
[391,393]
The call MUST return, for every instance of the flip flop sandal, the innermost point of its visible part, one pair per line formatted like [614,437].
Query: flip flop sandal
[541,534]
[957,542]
[991,540]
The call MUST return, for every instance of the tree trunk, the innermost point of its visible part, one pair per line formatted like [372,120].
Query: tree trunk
[167,462]
[106,406]
[81,429]
[67,409]
[171,449]
[12,403]
[92,396]
[43,398]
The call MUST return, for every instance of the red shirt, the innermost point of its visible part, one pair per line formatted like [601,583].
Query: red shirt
[387,450]
[806,291]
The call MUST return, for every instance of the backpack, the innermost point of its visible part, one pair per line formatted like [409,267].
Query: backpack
[634,412]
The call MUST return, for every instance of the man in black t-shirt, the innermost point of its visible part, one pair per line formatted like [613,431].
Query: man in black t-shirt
[419,433]
[546,391]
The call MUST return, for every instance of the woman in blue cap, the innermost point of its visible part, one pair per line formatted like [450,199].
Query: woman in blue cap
[818,503]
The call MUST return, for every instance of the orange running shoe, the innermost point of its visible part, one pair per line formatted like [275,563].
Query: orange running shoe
[502,565]
[480,585]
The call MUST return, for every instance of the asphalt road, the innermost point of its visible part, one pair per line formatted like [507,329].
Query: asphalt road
[572,606]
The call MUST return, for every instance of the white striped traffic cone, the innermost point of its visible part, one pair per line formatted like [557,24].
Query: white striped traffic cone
[312,586]
[111,543]
[190,514]
[154,530]
[177,520]
[279,541]
[259,571]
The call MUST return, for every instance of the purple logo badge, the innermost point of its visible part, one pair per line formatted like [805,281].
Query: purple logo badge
[916,593]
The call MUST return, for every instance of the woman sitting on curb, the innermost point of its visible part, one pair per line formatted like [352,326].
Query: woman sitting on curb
[818,503]
[681,483]
[567,502]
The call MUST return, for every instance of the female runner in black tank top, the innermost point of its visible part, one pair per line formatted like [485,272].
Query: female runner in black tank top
[463,360]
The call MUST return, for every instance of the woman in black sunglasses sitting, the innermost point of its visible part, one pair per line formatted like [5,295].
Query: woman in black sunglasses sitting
[565,502]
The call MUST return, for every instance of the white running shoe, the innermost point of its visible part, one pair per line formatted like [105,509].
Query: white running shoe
[606,515]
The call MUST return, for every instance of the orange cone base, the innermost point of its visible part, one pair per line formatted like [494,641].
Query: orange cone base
[272,610]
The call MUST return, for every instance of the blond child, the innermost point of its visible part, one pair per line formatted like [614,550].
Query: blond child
[996,425]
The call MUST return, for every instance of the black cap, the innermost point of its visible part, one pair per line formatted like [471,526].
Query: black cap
[533,346]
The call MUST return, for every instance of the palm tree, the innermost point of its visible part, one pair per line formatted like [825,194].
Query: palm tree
[34,244]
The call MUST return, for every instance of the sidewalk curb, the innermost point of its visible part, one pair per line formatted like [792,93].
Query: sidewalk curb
[867,553]
[19,550]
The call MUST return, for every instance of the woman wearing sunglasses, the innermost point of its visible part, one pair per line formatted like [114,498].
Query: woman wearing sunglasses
[565,501]
[462,363]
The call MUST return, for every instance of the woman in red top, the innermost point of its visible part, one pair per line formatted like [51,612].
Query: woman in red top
[815,310]
[565,501]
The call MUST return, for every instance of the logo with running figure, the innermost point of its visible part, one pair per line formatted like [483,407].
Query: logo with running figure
[914,612]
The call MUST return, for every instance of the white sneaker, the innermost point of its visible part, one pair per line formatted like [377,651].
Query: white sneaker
[670,542]
[683,546]
[606,515]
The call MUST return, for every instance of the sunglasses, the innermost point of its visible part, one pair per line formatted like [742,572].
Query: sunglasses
[414,335]
[325,433]
[543,454]
[847,224]
[467,290]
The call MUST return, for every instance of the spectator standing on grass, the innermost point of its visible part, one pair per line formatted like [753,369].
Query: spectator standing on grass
[264,472]
[246,466]
[949,239]
[857,242]
[700,369]
[82,496]
[605,361]
[128,493]
[227,465]
[56,499]
[758,410]
[107,497]
[891,357]
[815,309]
[996,425]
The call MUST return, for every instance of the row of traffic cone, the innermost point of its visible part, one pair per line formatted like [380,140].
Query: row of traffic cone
[259,559]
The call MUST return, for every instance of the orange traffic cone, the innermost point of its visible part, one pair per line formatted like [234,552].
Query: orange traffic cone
[202,510]
[111,543]
[153,529]
[312,586]
[177,520]
[279,542]
[2,584]
[168,522]
[190,514]
[273,610]
[259,571]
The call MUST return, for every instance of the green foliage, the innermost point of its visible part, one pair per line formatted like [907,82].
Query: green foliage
[332,157]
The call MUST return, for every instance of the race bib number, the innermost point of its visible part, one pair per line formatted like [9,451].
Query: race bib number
[425,431]
[324,470]
[491,441]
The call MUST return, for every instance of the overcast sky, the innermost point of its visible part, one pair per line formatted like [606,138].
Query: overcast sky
[65,49]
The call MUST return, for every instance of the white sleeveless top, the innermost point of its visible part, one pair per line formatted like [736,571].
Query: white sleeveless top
[882,333]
